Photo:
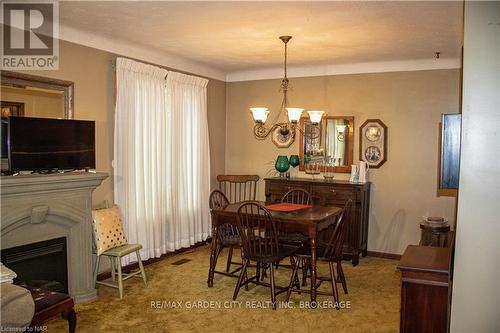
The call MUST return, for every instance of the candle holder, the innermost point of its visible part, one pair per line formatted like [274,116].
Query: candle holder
[329,168]
[313,169]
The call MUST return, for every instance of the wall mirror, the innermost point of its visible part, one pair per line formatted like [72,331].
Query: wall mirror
[26,95]
[330,141]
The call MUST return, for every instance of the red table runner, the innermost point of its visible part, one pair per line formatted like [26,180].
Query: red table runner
[287,207]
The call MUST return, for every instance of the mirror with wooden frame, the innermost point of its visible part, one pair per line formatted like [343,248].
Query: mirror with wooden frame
[332,141]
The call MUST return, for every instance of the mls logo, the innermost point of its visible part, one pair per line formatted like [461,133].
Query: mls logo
[30,35]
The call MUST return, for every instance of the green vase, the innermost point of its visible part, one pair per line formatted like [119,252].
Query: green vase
[294,160]
[282,164]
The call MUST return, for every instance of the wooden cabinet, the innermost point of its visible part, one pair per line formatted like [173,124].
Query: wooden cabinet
[425,289]
[332,193]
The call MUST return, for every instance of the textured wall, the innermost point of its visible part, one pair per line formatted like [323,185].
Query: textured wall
[217,128]
[409,103]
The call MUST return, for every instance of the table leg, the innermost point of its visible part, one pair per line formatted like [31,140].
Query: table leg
[313,270]
[213,257]
[355,258]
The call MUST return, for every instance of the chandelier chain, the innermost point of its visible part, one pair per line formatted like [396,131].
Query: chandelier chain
[286,58]
[284,83]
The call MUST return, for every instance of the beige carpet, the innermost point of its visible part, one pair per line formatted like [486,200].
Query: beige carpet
[373,295]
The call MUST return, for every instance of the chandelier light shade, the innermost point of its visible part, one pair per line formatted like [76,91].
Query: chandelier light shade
[285,124]
[315,116]
[259,114]
[294,114]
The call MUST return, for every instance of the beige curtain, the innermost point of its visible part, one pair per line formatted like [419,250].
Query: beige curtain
[189,155]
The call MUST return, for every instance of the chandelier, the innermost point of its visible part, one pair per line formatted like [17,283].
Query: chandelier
[285,124]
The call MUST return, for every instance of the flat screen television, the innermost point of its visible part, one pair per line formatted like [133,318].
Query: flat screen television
[43,144]
[4,155]
[5,125]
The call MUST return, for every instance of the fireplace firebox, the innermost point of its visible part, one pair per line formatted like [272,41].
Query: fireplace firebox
[41,264]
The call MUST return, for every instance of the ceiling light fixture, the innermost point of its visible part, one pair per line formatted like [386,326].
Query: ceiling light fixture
[284,131]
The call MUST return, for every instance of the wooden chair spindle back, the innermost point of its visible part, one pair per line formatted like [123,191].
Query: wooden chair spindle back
[218,200]
[257,231]
[297,196]
[333,248]
[238,188]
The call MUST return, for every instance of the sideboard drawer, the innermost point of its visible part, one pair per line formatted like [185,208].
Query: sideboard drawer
[333,195]
[278,190]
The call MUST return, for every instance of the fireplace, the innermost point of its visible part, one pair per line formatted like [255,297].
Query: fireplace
[39,208]
[41,264]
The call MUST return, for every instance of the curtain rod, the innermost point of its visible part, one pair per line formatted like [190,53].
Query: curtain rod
[112,62]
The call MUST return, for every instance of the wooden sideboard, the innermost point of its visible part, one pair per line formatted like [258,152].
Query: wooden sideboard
[426,285]
[332,193]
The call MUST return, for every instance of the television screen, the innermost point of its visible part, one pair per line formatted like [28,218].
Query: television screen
[41,144]
[5,150]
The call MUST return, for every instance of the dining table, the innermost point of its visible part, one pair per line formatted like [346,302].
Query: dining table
[308,221]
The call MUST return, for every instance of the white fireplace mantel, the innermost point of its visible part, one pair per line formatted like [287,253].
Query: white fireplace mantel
[40,207]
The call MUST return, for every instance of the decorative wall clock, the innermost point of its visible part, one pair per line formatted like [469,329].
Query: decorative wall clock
[373,142]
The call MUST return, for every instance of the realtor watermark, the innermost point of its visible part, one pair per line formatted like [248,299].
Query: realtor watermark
[24,329]
[30,36]
[204,304]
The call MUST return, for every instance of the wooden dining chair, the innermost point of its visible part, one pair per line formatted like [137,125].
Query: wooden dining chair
[238,188]
[295,196]
[329,251]
[228,236]
[259,238]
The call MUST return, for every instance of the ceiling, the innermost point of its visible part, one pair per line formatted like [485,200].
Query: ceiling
[236,36]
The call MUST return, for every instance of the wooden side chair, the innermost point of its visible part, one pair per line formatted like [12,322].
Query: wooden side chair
[228,236]
[295,196]
[329,251]
[110,241]
[259,238]
[238,188]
